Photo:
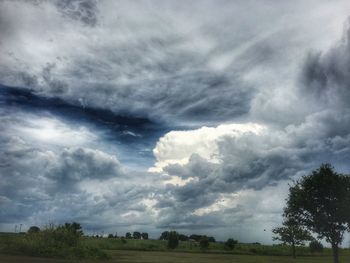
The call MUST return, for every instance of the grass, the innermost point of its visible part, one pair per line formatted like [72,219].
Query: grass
[187,246]
[127,256]
[50,243]
[130,251]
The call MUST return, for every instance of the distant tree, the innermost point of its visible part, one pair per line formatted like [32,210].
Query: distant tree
[173,239]
[164,235]
[204,242]
[116,235]
[211,239]
[74,227]
[128,235]
[195,237]
[320,202]
[33,229]
[315,246]
[292,234]
[183,237]
[230,243]
[110,236]
[136,235]
[144,236]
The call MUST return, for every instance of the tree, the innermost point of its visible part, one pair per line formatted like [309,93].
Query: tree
[136,235]
[315,246]
[110,236]
[212,239]
[195,237]
[204,242]
[128,235]
[230,243]
[183,237]
[292,234]
[164,235]
[173,239]
[33,229]
[74,227]
[320,202]
[144,235]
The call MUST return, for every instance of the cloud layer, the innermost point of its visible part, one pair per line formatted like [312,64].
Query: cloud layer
[147,116]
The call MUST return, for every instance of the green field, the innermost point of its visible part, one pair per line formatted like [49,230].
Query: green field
[127,256]
[131,250]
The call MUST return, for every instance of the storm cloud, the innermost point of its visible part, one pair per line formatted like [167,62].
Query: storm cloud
[154,115]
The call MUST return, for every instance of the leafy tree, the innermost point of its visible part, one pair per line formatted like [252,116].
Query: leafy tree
[128,235]
[173,239]
[144,236]
[33,229]
[211,239]
[204,242]
[110,236]
[230,243]
[292,234]
[320,202]
[164,235]
[315,246]
[195,237]
[136,235]
[73,227]
[183,237]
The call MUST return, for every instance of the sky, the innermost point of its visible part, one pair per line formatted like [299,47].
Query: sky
[155,115]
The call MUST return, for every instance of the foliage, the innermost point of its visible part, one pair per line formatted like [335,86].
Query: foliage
[110,236]
[291,233]
[61,241]
[320,201]
[195,237]
[190,246]
[164,235]
[173,240]
[136,235]
[316,246]
[204,242]
[128,235]
[144,236]
[33,229]
[183,237]
[230,243]
[211,239]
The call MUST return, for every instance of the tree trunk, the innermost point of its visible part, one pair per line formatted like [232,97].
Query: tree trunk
[335,249]
[293,250]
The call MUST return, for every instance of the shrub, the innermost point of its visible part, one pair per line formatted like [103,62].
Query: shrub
[59,242]
[173,240]
[316,246]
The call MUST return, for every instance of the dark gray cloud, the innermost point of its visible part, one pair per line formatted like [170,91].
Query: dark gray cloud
[162,61]
[84,11]
[326,76]
[89,88]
